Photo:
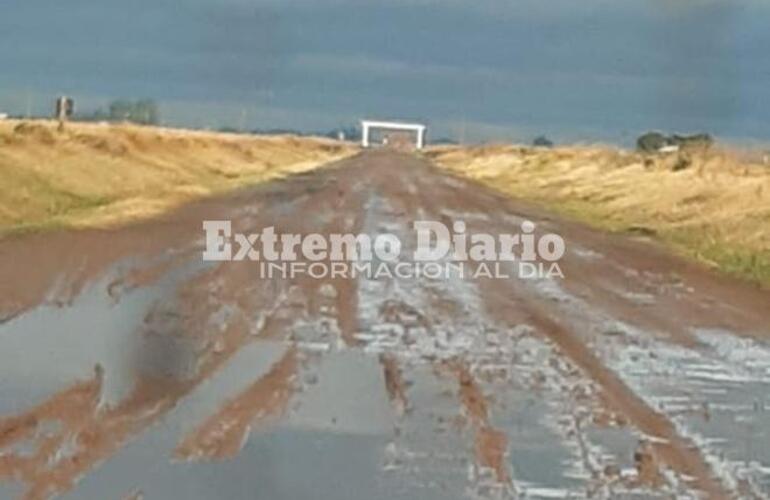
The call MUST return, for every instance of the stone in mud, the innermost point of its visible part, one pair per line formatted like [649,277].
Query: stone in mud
[647,466]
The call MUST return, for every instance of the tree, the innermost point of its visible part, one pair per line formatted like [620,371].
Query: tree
[651,142]
[144,111]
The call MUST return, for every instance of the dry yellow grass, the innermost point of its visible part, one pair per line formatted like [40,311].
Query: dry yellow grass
[95,175]
[716,210]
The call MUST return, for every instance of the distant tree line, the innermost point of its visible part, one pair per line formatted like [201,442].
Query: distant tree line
[142,111]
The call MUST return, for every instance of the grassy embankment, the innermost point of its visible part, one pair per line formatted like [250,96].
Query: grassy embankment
[97,175]
[716,210]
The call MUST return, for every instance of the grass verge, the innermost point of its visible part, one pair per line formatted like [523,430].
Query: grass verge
[711,206]
[97,175]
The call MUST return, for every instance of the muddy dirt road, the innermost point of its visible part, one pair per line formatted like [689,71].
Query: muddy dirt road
[131,368]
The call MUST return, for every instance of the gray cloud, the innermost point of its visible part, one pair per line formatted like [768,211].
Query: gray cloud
[595,68]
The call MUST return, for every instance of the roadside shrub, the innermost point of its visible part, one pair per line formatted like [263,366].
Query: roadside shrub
[542,142]
[651,142]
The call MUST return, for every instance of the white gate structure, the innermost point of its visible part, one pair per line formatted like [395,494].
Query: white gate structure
[367,126]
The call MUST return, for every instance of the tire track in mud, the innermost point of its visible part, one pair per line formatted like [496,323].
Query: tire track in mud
[676,452]
[395,384]
[670,448]
[662,446]
[80,400]
[391,312]
[222,435]
[86,433]
[490,444]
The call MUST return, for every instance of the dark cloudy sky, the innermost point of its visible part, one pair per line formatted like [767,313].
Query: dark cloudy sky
[498,69]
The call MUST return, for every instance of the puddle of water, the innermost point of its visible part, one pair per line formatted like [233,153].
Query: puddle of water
[617,444]
[284,464]
[300,457]
[429,451]
[544,457]
[11,490]
[349,397]
[538,455]
[49,348]
[245,367]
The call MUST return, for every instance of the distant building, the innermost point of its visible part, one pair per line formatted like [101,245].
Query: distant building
[3,116]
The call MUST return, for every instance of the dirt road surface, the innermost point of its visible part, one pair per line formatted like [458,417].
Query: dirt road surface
[131,368]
